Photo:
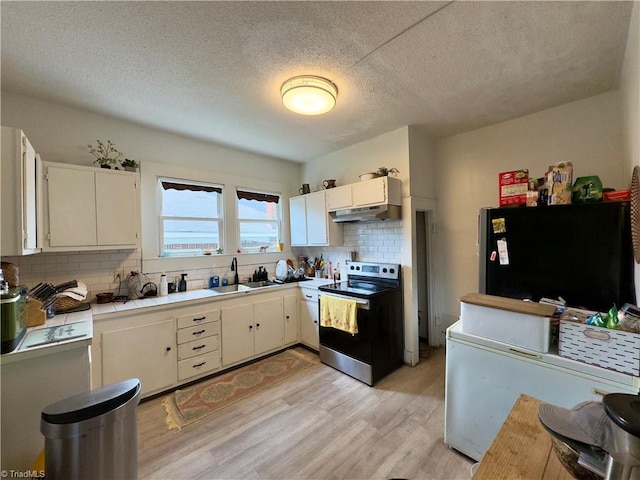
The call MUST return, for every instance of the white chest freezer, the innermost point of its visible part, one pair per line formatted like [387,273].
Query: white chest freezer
[484,378]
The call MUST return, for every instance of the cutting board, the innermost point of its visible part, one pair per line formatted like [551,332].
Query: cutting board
[509,304]
[44,336]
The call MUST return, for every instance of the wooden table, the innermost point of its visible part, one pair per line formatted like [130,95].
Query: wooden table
[522,448]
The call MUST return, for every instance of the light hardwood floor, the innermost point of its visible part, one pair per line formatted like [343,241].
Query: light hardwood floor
[317,424]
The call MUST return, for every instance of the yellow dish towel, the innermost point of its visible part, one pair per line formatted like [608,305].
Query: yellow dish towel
[338,313]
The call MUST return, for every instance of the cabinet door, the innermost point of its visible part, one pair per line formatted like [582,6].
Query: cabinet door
[369,192]
[309,326]
[72,207]
[268,319]
[317,219]
[339,197]
[116,209]
[237,333]
[298,220]
[147,352]
[29,195]
[19,191]
[291,318]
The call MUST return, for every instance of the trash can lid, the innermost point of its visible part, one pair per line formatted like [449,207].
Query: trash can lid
[91,404]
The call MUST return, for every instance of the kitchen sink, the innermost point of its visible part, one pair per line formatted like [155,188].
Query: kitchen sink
[261,283]
[231,288]
[242,287]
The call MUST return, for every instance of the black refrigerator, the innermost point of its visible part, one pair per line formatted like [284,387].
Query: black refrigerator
[581,252]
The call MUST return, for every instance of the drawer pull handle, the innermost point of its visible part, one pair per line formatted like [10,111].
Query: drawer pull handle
[198,365]
[198,347]
[168,349]
[308,296]
[199,332]
[257,325]
[199,319]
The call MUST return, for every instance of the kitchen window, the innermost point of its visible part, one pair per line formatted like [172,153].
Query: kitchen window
[191,218]
[259,221]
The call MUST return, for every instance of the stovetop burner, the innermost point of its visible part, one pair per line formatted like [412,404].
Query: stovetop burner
[356,287]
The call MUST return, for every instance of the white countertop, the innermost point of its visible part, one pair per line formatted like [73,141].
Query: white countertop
[23,352]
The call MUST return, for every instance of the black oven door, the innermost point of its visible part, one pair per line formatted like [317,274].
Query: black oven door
[358,346]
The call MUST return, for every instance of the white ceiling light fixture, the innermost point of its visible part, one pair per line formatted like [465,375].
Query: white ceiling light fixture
[309,95]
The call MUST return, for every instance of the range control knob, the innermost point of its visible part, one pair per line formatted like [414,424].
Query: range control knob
[384,269]
[351,267]
[392,270]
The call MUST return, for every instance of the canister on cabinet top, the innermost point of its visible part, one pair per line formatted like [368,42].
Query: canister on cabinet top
[13,318]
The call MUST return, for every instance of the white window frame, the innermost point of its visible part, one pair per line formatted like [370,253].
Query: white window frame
[220,220]
[277,221]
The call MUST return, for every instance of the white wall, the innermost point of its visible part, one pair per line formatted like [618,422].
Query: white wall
[61,134]
[630,97]
[587,133]
[389,150]
[630,89]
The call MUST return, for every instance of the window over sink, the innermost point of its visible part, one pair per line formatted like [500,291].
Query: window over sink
[191,217]
[259,221]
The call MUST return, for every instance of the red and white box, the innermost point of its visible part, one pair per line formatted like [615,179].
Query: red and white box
[513,187]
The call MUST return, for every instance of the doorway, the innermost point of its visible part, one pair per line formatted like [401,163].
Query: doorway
[422,269]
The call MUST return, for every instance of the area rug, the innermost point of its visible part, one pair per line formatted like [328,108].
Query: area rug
[190,405]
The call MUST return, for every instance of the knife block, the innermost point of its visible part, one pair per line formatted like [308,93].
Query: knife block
[35,316]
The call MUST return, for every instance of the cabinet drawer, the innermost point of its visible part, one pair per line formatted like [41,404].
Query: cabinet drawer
[199,331]
[198,365]
[198,319]
[309,295]
[198,347]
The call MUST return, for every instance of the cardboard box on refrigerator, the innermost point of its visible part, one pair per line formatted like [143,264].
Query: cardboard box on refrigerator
[559,183]
[513,187]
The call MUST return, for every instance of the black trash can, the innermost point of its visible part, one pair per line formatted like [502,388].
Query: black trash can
[93,434]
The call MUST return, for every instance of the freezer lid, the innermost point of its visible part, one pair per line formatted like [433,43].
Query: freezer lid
[455,332]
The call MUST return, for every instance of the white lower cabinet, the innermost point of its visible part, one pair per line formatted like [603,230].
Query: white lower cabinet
[237,333]
[291,318]
[251,329]
[147,352]
[198,338]
[309,318]
[172,345]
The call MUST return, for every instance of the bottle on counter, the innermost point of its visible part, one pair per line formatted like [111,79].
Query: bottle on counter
[182,285]
[336,272]
[164,286]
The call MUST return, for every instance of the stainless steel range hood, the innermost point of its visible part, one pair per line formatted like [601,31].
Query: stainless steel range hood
[367,214]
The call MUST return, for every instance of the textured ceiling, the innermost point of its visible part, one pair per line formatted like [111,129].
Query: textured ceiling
[213,70]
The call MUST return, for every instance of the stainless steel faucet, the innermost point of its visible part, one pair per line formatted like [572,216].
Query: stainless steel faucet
[234,268]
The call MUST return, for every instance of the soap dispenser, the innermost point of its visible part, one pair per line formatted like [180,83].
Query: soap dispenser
[182,286]
[164,286]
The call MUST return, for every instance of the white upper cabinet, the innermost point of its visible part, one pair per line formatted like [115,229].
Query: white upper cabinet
[362,194]
[339,197]
[310,223]
[89,208]
[19,176]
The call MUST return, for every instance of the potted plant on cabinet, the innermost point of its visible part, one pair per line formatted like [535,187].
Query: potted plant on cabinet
[106,155]
[384,171]
[130,165]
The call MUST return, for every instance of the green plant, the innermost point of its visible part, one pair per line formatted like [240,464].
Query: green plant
[105,154]
[130,163]
[384,171]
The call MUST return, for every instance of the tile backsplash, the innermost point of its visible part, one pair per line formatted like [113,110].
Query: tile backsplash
[372,241]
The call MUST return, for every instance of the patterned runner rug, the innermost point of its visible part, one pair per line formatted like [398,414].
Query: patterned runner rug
[190,405]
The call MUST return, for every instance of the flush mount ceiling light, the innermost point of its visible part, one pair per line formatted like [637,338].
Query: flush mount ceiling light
[309,95]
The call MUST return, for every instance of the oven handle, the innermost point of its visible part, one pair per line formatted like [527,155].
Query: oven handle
[360,303]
